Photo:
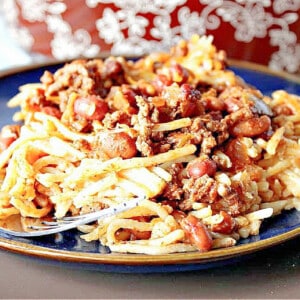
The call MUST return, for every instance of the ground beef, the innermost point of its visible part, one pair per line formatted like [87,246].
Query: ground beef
[174,189]
[85,77]
[229,202]
[213,113]
[202,189]
[117,117]
[208,143]
[143,122]
[181,101]
[75,76]
[205,190]
[241,114]
[208,132]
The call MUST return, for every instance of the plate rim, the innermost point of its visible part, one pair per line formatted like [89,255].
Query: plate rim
[231,63]
[194,257]
[123,259]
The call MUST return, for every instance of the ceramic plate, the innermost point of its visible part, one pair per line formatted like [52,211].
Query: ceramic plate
[71,250]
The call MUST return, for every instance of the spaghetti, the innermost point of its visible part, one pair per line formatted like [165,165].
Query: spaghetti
[212,156]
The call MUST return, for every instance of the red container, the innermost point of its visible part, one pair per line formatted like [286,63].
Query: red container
[262,31]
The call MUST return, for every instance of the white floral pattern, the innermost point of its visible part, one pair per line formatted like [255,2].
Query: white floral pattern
[251,21]
[126,27]
[21,34]
[65,43]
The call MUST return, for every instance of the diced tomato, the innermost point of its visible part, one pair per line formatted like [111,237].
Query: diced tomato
[8,135]
[52,111]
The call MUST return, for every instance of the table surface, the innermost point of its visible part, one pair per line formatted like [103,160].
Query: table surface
[271,273]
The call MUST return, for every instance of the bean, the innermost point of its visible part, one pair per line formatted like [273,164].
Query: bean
[226,226]
[237,152]
[214,104]
[124,99]
[178,215]
[197,233]
[90,107]
[251,127]
[160,82]
[199,167]
[118,144]
[113,67]
[232,104]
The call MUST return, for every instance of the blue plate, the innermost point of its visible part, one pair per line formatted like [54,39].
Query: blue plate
[69,249]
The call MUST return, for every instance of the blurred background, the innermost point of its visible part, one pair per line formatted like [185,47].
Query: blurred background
[261,31]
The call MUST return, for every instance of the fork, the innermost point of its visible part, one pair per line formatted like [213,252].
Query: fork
[49,227]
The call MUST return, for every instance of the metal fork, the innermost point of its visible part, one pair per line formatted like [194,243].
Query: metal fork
[46,227]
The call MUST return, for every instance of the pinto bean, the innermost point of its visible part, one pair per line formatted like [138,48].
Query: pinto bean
[226,226]
[124,99]
[113,67]
[160,82]
[197,233]
[123,234]
[251,127]
[129,94]
[237,152]
[189,100]
[178,215]
[90,107]
[199,167]
[118,144]
[232,104]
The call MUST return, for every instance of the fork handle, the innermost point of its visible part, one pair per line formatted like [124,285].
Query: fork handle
[107,212]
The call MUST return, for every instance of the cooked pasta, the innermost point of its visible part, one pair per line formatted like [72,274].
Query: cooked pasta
[212,156]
